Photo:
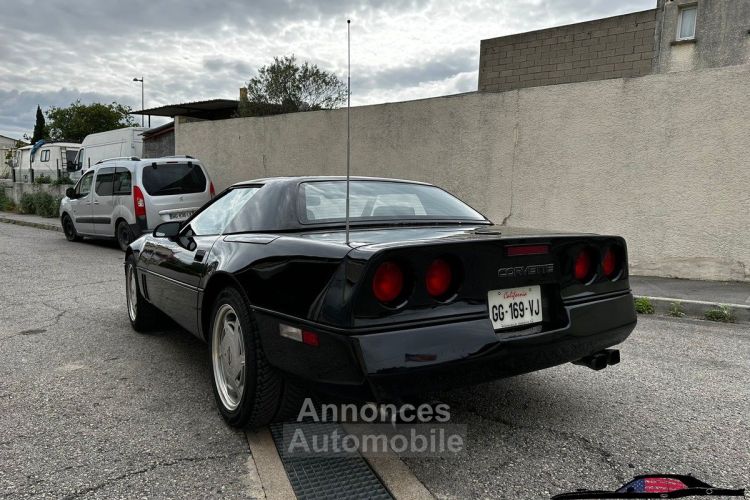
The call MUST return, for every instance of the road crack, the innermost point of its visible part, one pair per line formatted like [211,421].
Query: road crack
[149,468]
[592,446]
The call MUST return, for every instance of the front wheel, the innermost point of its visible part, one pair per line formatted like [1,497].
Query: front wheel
[70,229]
[248,391]
[142,315]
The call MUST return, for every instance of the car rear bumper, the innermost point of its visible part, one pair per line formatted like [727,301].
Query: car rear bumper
[416,360]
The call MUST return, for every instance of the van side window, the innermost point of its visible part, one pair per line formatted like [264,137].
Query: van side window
[84,186]
[105,181]
[122,181]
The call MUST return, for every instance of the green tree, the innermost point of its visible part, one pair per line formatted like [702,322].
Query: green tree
[40,127]
[288,87]
[76,121]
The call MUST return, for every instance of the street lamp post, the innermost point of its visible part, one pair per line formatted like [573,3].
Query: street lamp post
[143,118]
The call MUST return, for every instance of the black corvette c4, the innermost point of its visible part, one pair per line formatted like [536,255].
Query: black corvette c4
[426,294]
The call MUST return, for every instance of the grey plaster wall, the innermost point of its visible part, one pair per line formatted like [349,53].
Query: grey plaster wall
[661,159]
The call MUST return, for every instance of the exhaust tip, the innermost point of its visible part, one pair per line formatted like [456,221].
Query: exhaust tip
[600,360]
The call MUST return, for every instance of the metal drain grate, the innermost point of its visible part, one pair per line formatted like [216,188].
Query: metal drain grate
[324,477]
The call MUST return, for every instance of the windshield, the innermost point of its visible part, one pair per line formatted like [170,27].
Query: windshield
[325,201]
[163,179]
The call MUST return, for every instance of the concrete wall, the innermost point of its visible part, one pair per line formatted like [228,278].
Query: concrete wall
[722,35]
[661,160]
[615,47]
[14,190]
[159,145]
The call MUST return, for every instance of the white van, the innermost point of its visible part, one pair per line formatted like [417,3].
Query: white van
[53,159]
[119,143]
[123,198]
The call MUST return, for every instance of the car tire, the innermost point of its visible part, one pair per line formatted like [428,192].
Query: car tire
[69,229]
[249,392]
[142,315]
[123,235]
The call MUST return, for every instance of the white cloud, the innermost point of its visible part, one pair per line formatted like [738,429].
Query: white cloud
[190,50]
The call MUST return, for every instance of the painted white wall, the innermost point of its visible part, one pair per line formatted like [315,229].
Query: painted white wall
[661,160]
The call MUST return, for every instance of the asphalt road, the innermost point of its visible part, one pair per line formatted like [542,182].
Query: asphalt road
[91,409]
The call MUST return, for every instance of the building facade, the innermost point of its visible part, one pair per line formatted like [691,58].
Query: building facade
[678,35]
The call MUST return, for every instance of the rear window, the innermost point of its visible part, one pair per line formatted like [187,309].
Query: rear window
[325,201]
[163,179]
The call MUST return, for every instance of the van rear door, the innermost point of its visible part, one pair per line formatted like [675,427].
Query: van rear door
[173,190]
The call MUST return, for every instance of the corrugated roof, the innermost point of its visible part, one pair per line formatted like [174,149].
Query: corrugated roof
[211,109]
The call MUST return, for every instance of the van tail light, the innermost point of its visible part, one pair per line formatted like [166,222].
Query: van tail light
[439,278]
[139,202]
[388,282]
[211,189]
[583,266]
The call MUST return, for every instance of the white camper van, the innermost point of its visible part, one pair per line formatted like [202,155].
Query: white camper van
[119,143]
[53,159]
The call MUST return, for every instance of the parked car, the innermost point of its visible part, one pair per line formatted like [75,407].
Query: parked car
[123,198]
[424,293]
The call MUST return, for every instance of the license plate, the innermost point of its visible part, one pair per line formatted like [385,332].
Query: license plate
[180,215]
[515,306]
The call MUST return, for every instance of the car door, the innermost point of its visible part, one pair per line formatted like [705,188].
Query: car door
[176,266]
[81,204]
[103,204]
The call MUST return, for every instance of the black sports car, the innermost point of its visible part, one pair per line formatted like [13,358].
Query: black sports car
[426,293]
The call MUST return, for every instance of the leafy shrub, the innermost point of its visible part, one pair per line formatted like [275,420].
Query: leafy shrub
[6,204]
[721,313]
[41,203]
[46,205]
[28,203]
[643,305]
[43,179]
[63,181]
[676,310]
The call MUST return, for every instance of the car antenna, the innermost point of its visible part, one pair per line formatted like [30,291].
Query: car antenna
[348,112]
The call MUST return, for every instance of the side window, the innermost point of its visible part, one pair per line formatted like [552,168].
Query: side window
[84,187]
[220,213]
[122,181]
[45,155]
[104,181]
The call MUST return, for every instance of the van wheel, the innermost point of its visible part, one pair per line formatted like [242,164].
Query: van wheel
[143,316]
[70,229]
[249,392]
[124,235]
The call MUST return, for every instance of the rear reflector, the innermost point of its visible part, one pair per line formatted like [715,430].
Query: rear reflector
[526,250]
[439,278]
[388,282]
[610,263]
[583,265]
[299,335]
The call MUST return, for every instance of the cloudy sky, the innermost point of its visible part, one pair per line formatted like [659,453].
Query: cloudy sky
[53,52]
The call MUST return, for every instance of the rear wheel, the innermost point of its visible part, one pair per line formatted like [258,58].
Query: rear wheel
[248,391]
[124,235]
[142,315]
[70,229]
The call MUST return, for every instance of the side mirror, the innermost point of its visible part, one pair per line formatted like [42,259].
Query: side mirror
[70,193]
[167,229]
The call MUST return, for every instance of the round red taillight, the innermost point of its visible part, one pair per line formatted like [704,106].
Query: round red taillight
[583,265]
[610,263]
[439,278]
[388,282]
